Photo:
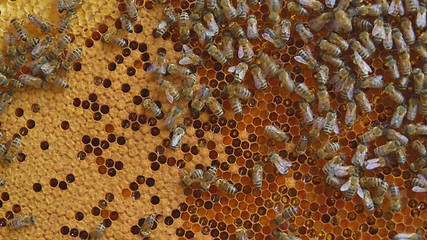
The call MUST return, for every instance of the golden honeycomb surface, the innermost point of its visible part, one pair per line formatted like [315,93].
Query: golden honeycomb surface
[92,154]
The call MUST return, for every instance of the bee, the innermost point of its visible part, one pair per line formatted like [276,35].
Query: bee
[370,182]
[330,3]
[4,81]
[162,27]
[194,176]
[171,119]
[200,99]
[313,4]
[147,225]
[324,102]
[239,91]
[267,64]
[398,116]
[373,10]
[419,184]
[408,31]
[241,234]
[21,221]
[303,91]
[399,41]
[360,155]
[352,186]
[418,164]
[378,31]
[395,203]
[392,134]
[245,51]
[331,123]
[6,98]
[177,70]
[338,40]
[413,129]
[177,135]
[126,23]
[252,30]
[372,82]
[208,178]
[151,106]
[110,38]
[423,103]
[372,134]
[274,9]
[343,20]
[286,214]
[272,37]
[333,181]
[305,57]
[405,63]
[236,30]
[350,115]
[367,41]
[99,232]
[29,80]
[65,20]
[259,78]
[396,7]
[172,93]
[184,25]
[13,83]
[15,65]
[304,32]
[285,29]
[367,200]
[216,54]
[219,15]
[388,40]
[57,80]
[317,126]
[257,172]
[421,51]
[363,101]
[373,163]
[240,71]
[211,4]
[9,39]
[334,61]
[392,67]
[419,147]
[306,112]
[327,150]
[158,67]
[401,155]
[22,32]
[131,10]
[226,186]
[39,49]
[317,23]
[215,106]
[236,105]
[3,150]
[210,21]
[276,133]
[71,58]
[68,5]
[295,8]
[301,146]
[198,8]
[40,23]
[285,80]
[28,45]
[389,147]
[407,236]
[281,164]
[394,94]
[332,164]
[242,9]
[170,15]
[228,9]
[381,189]
[411,6]
[330,48]
[357,46]
[420,21]
[49,67]
[227,43]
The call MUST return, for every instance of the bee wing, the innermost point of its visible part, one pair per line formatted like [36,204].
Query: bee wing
[362,64]
[360,192]
[267,37]
[350,93]
[252,31]
[339,85]
[162,24]
[393,6]
[372,163]
[185,60]
[187,49]
[336,127]
[240,73]
[401,8]
[419,189]
[232,69]
[169,97]
[213,26]
[300,59]
[341,171]
[345,186]
[379,31]
[420,176]
[240,52]
[421,19]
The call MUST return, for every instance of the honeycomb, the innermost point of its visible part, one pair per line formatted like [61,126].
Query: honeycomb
[92,153]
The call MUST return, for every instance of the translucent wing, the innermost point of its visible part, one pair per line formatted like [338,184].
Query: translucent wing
[360,191]
[240,52]
[240,73]
[252,31]
[372,163]
[232,69]
[419,189]
[341,171]
[213,26]
[336,127]
[267,37]
[393,6]
[379,31]
[345,186]
[162,24]
[187,49]
[362,64]
[350,93]
[300,60]
[185,60]
[258,83]
[339,85]
[169,97]
[421,19]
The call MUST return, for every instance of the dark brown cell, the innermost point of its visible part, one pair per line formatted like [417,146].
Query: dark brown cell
[65,230]
[63,185]
[19,112]
[79,216]
[37,187]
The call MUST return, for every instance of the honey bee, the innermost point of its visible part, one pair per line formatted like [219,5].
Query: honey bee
[373,163]
[227,43]
[68,5]
[301,146]
[332,164]
[219,15]
[65,20]
[367,41]
[5,99]
[197,10]
[3,150]
[392,134]
[228,9]
[286,214]
[158,67]
[407,236]
[411,6]
[363,101]
[350,115]
[252,30]
[276,133]
[317,126]
[147,225]
[177,70]
[210,21]
[208,178]
[418,164]
[172,117]
[200,99]
[226,186]
[360,155]
[372,134]
[22,32]
[372,82]
[272,37]
[285,80]
[352,186]
[172,93]
[295,8]
[324,102]
[28,45]
[398,116]
[21,221]
[170,15]
[9,39]
[419,147]
[394,94]
[126,23]
[305,57]
[71,58]
[57,80]
[162,27]
[281,164]
[331,123]
[215,106]
[240,71]
[274,9]
[420,21]
[241,234]
[338,40]
[304,32]
[333,181]
[343,20]
[15,65]
[401,155]
[285,29]
[408,31]
[413,129]
[151,106]
[40,23]
[110,38]
[303,91]
[131,10]
[423,103]
[396,7]
[388,39]
[389,147]
[367,200]
[177,135]
[421,51]
[381,189]
[334,61]
[184,25]
[317,23]
[236,105]
[39,49]
[399,41]
[313,4]
[29,80]
[378,31]
[259,78]
[98,232]
[405,63]
[194,176]
[283,235]
[236,30]
[242,9]
[216,54]
[327,150]
[357,46]
[306,112]
[239,91]
[49,67]
[395,204]
[257,172]
[245,51]
[330,48]
[419,184]
[211,4]
[267,64]
[392,67]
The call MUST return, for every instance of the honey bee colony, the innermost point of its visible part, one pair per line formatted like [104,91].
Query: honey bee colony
[213,119]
